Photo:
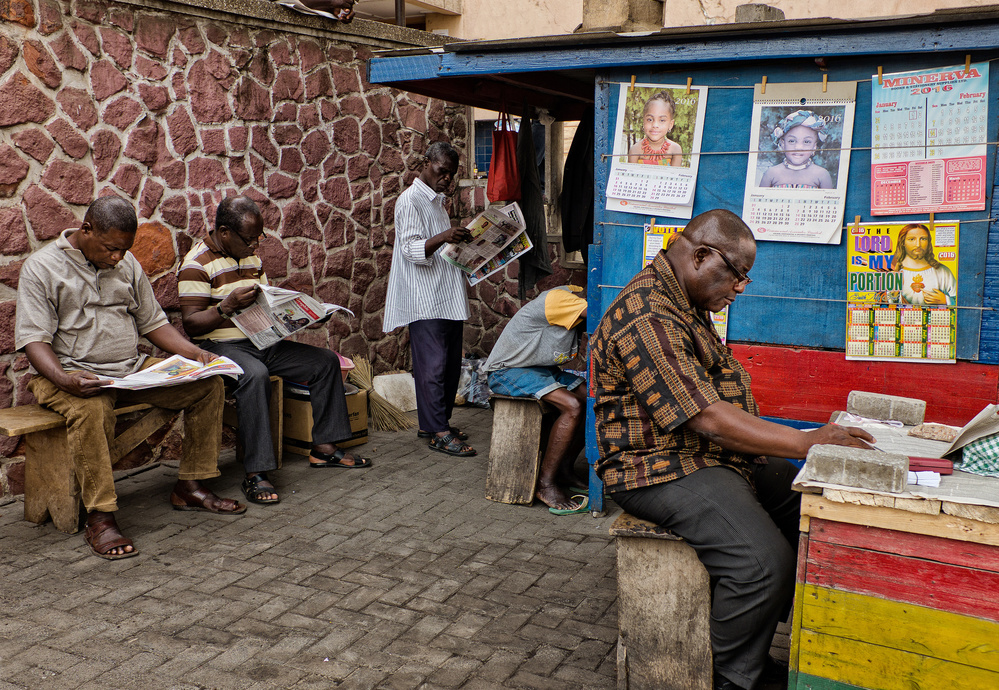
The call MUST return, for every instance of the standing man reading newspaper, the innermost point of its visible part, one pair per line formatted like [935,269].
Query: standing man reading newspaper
[83,301]
[428,294]
[222,274]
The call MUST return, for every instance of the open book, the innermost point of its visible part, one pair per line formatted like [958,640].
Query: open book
[277,313]
[174,371]
[498,237]
[896,439]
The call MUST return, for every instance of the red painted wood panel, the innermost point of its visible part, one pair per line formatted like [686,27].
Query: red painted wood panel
[811,384]
[966,591]
[949,551]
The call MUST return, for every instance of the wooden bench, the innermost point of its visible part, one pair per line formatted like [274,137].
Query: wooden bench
[50,486]
[664,606]
[515,449]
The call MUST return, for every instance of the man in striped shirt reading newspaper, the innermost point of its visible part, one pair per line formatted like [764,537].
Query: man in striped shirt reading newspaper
[222,274]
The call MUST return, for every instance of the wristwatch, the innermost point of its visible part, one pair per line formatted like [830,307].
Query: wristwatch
[218,308]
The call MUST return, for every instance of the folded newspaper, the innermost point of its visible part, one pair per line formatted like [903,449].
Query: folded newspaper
[277,313]
[174,371]
[498,237]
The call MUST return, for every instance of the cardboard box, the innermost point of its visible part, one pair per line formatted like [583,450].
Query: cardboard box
[298,418]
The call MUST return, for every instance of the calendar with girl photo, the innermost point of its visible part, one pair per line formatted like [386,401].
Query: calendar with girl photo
[656,141]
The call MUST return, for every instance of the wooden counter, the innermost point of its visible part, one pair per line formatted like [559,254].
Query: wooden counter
[896,593]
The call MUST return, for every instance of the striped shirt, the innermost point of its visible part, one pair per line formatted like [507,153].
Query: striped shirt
[422,287]
[207,275]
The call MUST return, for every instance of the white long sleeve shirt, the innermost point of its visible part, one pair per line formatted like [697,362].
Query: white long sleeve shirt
[422,287]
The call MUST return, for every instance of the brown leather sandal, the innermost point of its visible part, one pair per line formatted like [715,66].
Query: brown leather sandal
[103,536]
[225,506]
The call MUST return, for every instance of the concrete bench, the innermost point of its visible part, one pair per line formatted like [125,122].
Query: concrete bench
[50,486]
[664,606]
[515,449]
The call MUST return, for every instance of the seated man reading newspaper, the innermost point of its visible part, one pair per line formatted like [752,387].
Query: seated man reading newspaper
[83,301]
[221,275]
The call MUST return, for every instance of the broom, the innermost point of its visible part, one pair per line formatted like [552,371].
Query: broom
[384,415]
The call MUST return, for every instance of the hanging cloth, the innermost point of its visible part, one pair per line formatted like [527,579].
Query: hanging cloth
[536,263]
[576,199]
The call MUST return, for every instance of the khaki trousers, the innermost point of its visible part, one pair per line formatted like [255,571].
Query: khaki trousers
[91,422]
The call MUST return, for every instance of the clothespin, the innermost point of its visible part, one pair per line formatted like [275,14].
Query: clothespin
[856,225]
[653,225]
[825,82]
[967,64]
[689,81]
[880,75]
[930,226]
[632,87]
[763,86]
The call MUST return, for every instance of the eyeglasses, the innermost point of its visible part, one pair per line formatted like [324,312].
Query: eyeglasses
[743,279]
[252,244]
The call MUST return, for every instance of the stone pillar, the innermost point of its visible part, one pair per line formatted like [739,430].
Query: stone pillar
[756,12]
[623,15]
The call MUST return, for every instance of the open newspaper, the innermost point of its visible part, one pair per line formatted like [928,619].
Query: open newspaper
[277,313]
[174,371]
[498,237]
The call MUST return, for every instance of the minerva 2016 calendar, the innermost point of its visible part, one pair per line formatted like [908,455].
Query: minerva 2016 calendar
[928,134]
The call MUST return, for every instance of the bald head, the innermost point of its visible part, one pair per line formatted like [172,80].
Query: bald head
[719,228]
[715,252]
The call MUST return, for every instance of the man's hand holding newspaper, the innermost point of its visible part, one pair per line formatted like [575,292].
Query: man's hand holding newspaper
[276,313]
[498,237]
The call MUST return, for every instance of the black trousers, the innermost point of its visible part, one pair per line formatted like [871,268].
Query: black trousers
[436,347]
[747,540]
[316,366]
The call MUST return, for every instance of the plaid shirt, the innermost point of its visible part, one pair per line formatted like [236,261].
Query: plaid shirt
[658,362]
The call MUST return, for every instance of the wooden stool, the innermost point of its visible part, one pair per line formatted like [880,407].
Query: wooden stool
[515,449]
[664,606]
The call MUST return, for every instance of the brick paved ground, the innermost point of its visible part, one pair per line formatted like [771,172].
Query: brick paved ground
[401,576]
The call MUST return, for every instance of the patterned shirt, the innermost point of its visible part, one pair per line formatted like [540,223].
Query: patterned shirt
[422,287]
[207,275]
[657,363]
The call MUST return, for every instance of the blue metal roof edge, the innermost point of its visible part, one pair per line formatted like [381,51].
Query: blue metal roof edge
[852,40]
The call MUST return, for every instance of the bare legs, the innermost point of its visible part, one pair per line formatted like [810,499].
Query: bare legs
[564,444]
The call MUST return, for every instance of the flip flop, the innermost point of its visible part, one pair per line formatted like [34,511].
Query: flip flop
[337,457]
[572,511]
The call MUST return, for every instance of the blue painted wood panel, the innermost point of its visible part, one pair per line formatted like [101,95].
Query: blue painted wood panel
[797,297]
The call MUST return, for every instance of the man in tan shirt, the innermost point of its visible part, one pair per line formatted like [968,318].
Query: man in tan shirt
[83,302]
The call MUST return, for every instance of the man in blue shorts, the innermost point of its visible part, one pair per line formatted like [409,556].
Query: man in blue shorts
[525,363]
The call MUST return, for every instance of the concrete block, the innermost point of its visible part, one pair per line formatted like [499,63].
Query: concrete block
[858,467]
[909,411]
[398,389]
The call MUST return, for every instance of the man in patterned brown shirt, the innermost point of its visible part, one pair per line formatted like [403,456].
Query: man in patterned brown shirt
[682,444]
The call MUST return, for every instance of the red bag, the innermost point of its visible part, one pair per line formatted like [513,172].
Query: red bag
[504,178]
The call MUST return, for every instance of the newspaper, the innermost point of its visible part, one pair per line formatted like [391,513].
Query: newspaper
[960,487]
[896,439]
[493,230]
[174,371]
[277,313]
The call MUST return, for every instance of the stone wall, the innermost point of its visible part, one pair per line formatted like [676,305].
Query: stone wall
[175,105]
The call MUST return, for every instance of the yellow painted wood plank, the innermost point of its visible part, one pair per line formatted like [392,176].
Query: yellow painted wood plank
[940,525]
[880,668]
[917,629]
[799,589]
